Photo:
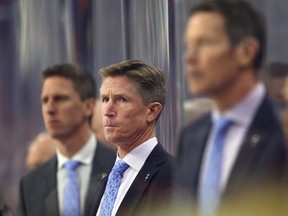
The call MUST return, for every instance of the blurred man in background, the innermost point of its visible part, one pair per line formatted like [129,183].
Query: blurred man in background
[41,149]
[239,146]
[274,76]
[284,114]
[66,184]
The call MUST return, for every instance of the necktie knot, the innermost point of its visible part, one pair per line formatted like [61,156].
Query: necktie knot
[222,124]
[71,165]
[120,167]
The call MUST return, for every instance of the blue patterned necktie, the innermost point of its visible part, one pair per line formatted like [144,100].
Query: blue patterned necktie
[71,204]
[112,188]
[209,191]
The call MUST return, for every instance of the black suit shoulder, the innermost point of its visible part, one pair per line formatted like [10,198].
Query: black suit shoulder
[261,157]
[35,186]
[189,137]
[42,169]
[152,186]
[201,125]
[191,144]
[38,188]
[164,163]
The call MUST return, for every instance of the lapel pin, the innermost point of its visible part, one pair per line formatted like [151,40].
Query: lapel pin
[147,176]
[103,175]
[255,140]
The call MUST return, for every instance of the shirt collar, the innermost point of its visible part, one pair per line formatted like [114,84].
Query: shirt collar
[137,157]
[84,155]
[242,113]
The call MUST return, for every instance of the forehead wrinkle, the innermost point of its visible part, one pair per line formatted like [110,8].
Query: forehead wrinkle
[117,87]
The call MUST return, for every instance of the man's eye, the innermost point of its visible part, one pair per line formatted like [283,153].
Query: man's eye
[44,100]
[61,98]
[104,99]
[122,99]
[203,43]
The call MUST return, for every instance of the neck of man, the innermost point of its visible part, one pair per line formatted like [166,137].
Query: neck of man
[124,149]
[72,143]
[235,91]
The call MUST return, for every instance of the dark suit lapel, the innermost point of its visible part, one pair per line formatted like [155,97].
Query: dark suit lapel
[192,139]
[142,180]
[245,161]
[95,192]
[201,139]
[252,145]
[50,177]
[98,179]
[51,203]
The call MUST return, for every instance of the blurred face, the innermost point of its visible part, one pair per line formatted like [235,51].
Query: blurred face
[275,88]
[63,112]
[41,150]
[209,58]
[125,117]
[285,90]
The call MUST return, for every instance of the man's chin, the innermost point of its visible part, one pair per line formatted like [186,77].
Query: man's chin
[55,135]
[197,91]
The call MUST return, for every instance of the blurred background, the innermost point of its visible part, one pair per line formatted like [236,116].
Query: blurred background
[35,34]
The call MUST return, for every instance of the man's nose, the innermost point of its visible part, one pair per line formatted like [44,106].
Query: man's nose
[50,107]
[190,55]
[109,109]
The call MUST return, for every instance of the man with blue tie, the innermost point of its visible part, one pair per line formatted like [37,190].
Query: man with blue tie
[66,184]
[133,95]
[239,145]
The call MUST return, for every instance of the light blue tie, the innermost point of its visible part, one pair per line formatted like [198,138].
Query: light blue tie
[209,192]
[112,188]
[71,204]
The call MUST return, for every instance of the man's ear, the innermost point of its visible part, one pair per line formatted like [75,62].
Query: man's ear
[89,106]
[246,51]
[154,109]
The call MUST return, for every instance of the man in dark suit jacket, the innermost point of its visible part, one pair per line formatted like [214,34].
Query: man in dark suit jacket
[261,158]
[39,188]
[68,98]
[222,58]
[151,189]
[133,96]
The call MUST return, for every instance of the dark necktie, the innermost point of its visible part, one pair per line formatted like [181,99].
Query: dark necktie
[71,204]
[112,188]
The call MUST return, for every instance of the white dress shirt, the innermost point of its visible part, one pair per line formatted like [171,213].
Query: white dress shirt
[241,115]
[85,157]
[135,159]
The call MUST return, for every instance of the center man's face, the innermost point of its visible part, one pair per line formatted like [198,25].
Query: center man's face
[124,113]
[209,56]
